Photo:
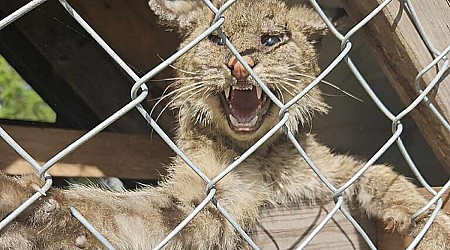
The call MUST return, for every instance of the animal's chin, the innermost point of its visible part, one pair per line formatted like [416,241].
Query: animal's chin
[245,107]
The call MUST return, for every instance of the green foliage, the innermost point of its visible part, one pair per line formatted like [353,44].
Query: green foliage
[18,101]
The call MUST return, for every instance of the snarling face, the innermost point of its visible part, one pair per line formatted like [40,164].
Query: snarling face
[216,91]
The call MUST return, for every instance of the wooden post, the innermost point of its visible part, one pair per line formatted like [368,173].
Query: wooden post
[402,55]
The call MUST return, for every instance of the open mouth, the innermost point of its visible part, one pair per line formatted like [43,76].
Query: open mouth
[245,106]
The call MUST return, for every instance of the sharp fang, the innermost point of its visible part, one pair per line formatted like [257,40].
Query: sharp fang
[258,92]
[253,121]
[233,120]
[227,92]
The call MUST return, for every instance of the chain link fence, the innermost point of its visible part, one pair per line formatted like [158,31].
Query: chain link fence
[139,92]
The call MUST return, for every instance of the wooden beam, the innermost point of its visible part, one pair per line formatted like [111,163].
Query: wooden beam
[107,154]
[402,55]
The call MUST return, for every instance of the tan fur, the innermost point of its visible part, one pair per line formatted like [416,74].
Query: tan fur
[275,174]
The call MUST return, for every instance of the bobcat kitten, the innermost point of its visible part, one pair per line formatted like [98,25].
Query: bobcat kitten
[223,111]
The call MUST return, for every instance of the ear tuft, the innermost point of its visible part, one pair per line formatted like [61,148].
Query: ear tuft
[179,14]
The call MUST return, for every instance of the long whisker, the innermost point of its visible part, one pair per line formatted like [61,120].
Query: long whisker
[183,71]
[208,92]
[277,77]
[293,86]
[175,68]
[174,79]
[281,94]
[178,96]
[164,95]
[176,92]
[170,85]
[287,90]
[173,100]
[325,82]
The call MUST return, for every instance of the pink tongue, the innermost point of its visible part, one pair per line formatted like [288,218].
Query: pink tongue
[244,104]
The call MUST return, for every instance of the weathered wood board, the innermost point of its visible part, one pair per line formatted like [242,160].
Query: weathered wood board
[286,228]
[107,154]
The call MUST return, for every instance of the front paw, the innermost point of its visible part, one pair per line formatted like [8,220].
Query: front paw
[402,232]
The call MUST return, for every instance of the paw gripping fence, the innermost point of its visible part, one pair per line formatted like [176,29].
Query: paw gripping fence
[139,91]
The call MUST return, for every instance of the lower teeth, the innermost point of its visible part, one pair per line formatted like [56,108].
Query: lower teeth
[236,123]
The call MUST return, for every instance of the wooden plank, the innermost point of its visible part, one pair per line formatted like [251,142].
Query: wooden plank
[287,227]
[402,55]
[392,241]
[107,154]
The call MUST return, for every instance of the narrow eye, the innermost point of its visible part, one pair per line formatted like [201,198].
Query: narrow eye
[270,40]
[216,39]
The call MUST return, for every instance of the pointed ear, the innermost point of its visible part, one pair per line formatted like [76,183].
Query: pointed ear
[179,14]
[308,22]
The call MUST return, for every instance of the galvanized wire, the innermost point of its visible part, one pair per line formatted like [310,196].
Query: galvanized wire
[139,92]
[188,218]
[91,228]
[39,193]
[322,224]
[20,12]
